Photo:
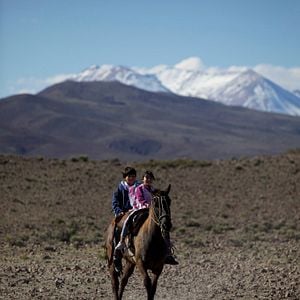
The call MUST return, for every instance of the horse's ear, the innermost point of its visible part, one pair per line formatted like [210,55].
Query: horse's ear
[168,189]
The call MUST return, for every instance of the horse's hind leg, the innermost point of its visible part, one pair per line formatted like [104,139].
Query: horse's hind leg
[127,272]
[109,253]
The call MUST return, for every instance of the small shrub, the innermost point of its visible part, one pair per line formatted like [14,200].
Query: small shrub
[66,234]
[181,230]
[18,241]
[83,158]
[194,242]
[236,243]
[102,254]
[293,151]
[193,223]
[221,228]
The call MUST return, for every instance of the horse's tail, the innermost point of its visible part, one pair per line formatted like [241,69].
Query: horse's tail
[110,236]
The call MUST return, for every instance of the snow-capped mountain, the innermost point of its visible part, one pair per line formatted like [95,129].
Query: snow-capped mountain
[237,86]
[188,78]
[252,90]
[122,74]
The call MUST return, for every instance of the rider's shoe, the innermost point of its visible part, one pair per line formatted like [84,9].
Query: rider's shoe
[118,264]
[170,260]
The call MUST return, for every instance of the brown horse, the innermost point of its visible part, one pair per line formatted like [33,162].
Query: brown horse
[150,247]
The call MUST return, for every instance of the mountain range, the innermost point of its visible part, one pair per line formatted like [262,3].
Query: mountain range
[107,119]
[234,86]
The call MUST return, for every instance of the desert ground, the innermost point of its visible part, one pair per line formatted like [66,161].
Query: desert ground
[236,228]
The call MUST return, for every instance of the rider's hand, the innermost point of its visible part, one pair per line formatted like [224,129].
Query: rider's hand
[119,216]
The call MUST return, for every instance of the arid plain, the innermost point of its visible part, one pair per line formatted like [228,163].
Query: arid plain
[236,228]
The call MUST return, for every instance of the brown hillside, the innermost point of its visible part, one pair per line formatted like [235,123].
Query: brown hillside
[105,120]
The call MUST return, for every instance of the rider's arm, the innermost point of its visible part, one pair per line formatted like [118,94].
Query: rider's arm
[117,202]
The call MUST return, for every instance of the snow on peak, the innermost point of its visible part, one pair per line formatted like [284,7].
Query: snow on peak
[254,91]
[198,83]
[190,64]
[93,67]
[237,86]
[122,74]
[251,74]
[248,77]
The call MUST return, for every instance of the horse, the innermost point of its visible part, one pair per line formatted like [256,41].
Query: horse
[149,247]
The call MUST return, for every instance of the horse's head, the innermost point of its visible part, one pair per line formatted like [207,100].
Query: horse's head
[161,208]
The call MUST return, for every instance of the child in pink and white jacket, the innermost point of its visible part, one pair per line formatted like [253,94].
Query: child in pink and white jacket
[143,192]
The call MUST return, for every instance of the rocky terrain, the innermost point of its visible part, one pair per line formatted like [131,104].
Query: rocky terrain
[236,228]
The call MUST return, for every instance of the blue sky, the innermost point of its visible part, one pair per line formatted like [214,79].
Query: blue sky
[40,39]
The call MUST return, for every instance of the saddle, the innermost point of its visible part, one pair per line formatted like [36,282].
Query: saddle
[137,221]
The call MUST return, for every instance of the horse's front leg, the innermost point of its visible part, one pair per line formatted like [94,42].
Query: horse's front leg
[127,272]
[114,281]
[146,278]
[155,276]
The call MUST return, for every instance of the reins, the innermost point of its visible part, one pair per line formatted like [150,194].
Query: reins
[157,217]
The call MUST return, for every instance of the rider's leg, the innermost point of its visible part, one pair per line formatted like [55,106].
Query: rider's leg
[121,245]
[170,259]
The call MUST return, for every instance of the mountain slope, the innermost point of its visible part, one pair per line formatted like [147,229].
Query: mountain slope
[105,120]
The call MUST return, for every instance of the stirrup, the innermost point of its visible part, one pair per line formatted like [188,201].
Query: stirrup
[121,246]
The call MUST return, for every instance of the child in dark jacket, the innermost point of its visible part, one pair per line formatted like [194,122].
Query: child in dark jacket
[122,200]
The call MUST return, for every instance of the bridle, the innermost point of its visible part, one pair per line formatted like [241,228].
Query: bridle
[161,213]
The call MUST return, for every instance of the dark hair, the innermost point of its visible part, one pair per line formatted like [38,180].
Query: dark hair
[149,174]
[129,171]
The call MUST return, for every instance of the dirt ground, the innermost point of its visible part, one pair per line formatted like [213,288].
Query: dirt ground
[236,228]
